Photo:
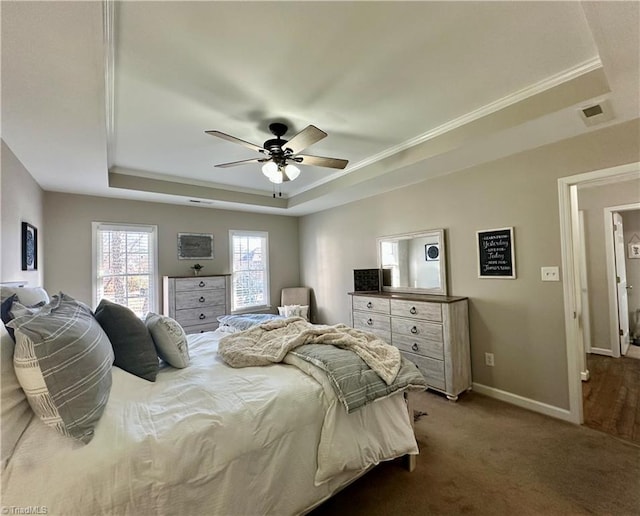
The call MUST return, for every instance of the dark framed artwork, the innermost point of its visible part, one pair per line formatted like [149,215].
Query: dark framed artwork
[496,253]
[195,246]
[432,252]
[29,247]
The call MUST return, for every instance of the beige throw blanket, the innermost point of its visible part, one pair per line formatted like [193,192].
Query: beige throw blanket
[270,342]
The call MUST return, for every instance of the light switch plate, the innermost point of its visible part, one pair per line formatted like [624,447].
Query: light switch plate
[550,274]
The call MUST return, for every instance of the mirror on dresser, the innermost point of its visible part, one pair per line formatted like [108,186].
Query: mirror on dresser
[414,262]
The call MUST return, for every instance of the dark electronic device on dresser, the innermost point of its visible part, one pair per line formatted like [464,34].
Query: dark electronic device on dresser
[367,280]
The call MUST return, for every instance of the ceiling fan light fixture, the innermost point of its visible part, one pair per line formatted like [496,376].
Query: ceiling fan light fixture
[276,177]
[291,171]
[269,169]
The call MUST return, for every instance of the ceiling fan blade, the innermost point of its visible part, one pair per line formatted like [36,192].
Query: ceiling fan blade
[319,161]
[233,139]
[243,162]
[308,136]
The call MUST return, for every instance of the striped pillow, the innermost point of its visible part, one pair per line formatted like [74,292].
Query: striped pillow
[63,362]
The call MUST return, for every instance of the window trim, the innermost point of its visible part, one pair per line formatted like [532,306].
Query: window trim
[264,235]
[147,228]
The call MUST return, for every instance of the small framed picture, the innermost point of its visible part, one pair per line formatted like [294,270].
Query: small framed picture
[634,250]
[29,247]
[432,252]
[195,246]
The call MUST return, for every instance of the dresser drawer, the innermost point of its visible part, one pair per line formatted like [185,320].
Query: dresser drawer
[371,304]
[206,282]
[199,298]
[200,328]
[431,369]
[370,321]
[204,315]
[424,347]
[416,310]
[416,329]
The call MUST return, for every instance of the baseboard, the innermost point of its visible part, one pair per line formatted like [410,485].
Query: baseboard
[602,351]
[584,375]
[521,401]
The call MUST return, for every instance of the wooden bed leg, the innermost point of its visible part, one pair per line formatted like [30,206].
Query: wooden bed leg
[410,460]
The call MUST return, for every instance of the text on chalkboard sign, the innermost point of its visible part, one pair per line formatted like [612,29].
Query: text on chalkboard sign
[496,253]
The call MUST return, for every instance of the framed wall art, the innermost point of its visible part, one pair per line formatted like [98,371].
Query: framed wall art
[195,246]
[496,253]
[29,247]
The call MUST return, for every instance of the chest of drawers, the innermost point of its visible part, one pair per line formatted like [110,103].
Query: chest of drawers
[196,302]
[431,331]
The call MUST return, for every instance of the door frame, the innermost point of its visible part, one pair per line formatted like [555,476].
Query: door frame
[567,197]
[611,274]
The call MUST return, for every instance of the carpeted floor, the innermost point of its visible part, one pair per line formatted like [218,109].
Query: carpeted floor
[481,456]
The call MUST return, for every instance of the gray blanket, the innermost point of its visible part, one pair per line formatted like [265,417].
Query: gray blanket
[353,381]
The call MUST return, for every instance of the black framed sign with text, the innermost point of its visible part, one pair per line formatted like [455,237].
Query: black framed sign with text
[496,253]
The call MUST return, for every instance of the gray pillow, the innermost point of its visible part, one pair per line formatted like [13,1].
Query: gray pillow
[246,321]
[63,362]
[15,412]
[132,343]
[5,313]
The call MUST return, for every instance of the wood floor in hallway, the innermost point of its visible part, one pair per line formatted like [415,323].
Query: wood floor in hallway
[612,396]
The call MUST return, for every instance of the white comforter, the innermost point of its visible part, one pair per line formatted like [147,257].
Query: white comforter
[208,439]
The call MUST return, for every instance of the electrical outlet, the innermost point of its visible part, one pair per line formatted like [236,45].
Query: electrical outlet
[488,359]
[550,274]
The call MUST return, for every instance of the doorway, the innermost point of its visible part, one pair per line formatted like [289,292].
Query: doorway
[572,286]
[623,271]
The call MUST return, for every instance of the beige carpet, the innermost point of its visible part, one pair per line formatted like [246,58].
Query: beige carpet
[483,456]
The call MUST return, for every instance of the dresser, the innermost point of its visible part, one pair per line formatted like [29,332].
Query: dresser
[431,331]
[196,302]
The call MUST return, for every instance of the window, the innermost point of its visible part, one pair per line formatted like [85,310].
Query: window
[125,265]
[389,259]
[250,270]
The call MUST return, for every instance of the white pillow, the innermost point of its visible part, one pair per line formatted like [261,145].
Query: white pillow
[169,338]
[294,311]
[26,295]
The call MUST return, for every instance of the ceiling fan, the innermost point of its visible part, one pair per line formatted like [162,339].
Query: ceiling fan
[281,156]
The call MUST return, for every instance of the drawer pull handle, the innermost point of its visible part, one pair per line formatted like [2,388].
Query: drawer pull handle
[414,330]
[201,299]
[370,322]
[369,304]
[413,310]
[414,347]
[201,284]
[202,316]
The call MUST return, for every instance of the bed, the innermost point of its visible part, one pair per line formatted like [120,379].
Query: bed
[206,439]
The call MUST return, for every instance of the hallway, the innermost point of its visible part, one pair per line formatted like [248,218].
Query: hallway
[612,396]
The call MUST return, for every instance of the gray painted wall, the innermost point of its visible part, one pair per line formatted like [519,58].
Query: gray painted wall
[521,321]
[592,201]
[22,201]
[68,239]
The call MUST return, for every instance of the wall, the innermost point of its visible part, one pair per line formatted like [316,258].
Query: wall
[521,321]
[631,222]
[592,201]
[68,239]
[22,201]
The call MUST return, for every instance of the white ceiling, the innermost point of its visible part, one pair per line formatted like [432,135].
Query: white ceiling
[113,99]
